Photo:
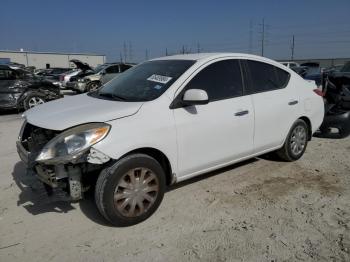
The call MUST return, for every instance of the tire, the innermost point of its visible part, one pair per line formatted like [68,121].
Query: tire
[92,86]
[123,203]
[33,99]
[296,142]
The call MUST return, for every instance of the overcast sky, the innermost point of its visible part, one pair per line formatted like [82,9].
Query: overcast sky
[141,29]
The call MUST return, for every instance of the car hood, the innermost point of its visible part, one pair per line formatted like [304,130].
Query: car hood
[80,109]
[82,66]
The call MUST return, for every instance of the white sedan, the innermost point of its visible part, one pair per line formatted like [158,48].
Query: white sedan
[165,121]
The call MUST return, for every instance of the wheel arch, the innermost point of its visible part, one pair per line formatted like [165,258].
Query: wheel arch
[158,155]
[309,125]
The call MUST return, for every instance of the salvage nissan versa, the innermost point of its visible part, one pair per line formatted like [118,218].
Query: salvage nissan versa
[165,121]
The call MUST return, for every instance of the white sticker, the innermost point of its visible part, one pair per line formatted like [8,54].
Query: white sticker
[159,79]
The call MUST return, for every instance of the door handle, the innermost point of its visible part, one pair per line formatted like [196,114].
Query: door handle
[242,113]
[294,102]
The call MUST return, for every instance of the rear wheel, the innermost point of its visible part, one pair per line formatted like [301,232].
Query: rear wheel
[131,190]
[32,100]
[296,142]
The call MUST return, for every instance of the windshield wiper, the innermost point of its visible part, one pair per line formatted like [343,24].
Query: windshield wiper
[111,95]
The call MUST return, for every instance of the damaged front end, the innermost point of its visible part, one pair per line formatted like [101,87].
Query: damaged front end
[63,159]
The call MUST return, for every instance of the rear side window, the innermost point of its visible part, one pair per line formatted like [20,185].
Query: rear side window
[112,69]
[265,77]
[124,67]
[221,80]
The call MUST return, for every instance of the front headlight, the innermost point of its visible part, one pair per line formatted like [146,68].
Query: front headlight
[72,143]
[83,80]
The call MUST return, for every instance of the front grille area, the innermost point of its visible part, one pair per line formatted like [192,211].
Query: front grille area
[35,138]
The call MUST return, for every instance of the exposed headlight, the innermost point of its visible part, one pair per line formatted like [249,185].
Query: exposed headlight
[73,143]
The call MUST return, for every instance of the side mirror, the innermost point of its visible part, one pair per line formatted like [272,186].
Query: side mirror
[191,97]
[195,97]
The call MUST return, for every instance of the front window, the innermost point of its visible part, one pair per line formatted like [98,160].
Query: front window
[145,82]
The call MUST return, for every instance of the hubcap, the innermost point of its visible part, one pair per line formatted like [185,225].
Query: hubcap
[34,101]
[298,140]
[136,192]
[93,86]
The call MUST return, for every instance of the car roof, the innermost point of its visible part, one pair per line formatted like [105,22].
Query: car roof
[210,56]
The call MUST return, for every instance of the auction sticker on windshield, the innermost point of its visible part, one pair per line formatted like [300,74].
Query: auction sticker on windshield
[159,79]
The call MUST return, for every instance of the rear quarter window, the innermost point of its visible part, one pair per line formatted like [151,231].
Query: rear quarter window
[265,77]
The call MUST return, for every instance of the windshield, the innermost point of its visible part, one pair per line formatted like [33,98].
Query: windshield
[145,82]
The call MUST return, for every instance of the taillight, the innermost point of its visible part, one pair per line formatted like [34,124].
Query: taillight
[319,92]
[61,77]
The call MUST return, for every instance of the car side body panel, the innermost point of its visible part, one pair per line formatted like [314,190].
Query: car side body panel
[143,131]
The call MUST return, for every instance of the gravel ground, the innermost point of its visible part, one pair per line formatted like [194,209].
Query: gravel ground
[259,210]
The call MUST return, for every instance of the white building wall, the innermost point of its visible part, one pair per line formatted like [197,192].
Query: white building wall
[19,57]
[39,60]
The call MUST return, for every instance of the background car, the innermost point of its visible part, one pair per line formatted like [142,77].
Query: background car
[310,71]
[22,89]
[52,73]
[69,79]
[103,74]
[290,64]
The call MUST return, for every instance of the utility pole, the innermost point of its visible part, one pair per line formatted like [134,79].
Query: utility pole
[263,37]
[121,57]
[293,46]
[146,55]
[183,49]
[130,51]
[125,49]
[198,48]
[166,51]
[250,36]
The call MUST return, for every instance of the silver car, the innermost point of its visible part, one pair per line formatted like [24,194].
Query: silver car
[104,73]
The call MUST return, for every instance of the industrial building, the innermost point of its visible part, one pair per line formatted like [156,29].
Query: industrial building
[49,59]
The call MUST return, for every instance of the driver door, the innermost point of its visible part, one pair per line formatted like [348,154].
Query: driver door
[221,131]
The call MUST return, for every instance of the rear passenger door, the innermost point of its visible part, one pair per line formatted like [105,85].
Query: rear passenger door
[275,103]
[220,131]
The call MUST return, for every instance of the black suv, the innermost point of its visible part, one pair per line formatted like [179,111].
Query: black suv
[21,89]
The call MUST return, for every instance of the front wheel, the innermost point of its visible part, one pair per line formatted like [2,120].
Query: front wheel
[93,86]
[296,142]
[131,190]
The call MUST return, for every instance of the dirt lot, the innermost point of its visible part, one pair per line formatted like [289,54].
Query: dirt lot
[261,210]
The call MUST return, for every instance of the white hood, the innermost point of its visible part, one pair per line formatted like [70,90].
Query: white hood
[80,109]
